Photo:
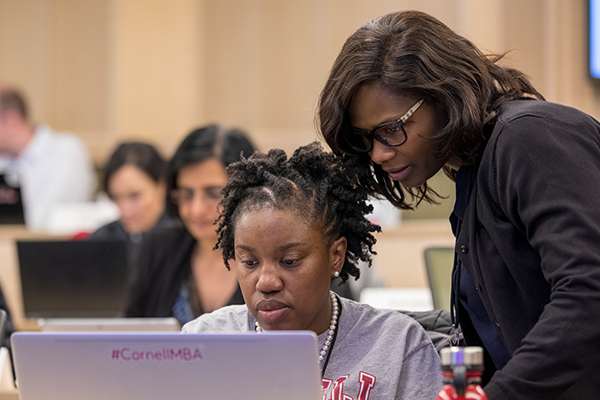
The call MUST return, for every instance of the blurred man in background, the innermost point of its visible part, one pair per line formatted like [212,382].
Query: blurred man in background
[50,168]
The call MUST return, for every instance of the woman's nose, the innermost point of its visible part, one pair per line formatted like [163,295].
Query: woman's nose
[127,208]
[269,280]
[200,206]
[381,153]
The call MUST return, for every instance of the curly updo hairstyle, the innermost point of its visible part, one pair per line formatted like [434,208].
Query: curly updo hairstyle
[312,183]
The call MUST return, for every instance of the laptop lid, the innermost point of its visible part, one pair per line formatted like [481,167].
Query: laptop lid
[155,366]
[11,202]
[108,324]
[73,279]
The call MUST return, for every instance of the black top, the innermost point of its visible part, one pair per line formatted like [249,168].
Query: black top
[530,241]
[163,267]
[116,231]
[465,294]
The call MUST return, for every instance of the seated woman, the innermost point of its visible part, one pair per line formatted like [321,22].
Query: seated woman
[291,226]
[134,181]
[178,272]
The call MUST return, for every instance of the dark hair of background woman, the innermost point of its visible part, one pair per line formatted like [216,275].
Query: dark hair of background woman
[212,141]
[313,184]
[411,53]
[139,154]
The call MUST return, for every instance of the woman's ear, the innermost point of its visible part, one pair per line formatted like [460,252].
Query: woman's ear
[337,255]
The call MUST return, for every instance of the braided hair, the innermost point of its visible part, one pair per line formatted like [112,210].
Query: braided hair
[315,185]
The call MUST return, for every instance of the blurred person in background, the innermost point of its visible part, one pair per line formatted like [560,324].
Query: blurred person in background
[50,168]
[134,179]
[178,272]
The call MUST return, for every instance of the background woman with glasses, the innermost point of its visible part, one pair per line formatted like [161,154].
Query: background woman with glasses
[179,274]
[407,97]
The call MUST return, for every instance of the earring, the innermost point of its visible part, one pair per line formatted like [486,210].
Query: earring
[336,274]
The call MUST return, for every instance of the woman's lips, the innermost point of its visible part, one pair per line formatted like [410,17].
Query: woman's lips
[399,174]
[270,311]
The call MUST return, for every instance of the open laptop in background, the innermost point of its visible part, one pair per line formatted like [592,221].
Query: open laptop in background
[154,366]
[108,324]
[73,279]
[11,203]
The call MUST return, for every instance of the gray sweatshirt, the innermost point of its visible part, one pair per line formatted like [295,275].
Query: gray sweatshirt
[378,354]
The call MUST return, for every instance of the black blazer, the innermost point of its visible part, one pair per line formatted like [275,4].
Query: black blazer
[163,265]
[530,239]
[116,231]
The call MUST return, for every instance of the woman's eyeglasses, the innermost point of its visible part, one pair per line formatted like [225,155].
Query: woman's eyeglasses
[390,134]
[181,196]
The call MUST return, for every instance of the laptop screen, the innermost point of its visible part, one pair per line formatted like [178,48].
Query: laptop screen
[73,279]
[159,366]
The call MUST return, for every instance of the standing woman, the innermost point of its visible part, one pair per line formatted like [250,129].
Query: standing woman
[407,97]
[179,274]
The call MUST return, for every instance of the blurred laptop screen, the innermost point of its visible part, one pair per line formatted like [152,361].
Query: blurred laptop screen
[73,279]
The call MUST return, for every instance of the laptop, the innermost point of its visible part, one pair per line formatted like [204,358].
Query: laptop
[73,279]
[11,202]
[159,366]
[108,324]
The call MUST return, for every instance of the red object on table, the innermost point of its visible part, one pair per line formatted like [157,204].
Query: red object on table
[462,368]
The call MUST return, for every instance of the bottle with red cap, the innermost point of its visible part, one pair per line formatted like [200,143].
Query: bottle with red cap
[462,368]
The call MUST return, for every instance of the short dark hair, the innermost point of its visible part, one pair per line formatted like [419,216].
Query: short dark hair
[139,154]
[212,141]
[312,183]
[11,99]
[413,54]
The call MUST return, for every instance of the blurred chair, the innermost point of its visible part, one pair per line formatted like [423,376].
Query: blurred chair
[438,263]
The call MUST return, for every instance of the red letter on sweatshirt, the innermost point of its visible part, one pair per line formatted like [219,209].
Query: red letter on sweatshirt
[338,389]
[367,381]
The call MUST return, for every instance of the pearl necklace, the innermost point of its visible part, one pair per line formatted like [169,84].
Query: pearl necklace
[333,324]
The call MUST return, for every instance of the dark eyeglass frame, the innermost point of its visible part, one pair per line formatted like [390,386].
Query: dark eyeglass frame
[210,194]
[372,134]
